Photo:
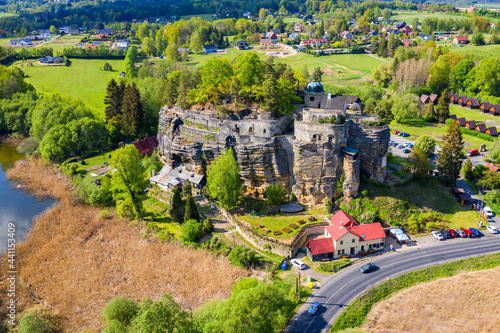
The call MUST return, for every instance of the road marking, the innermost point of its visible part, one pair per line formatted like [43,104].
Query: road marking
[429,255]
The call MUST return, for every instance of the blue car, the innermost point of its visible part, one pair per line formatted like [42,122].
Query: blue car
[476,232]
[314,309]
[404,135]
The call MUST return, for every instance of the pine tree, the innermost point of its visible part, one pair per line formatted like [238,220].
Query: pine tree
[382,47]
[270,94]
[177,206]
[113,101]
[449,162]
[318,74]
[305,72]
[132,112]
[467,169]
[183,91]
[429,113]
[191,212]
[208,226]
[443,107]
[170,92]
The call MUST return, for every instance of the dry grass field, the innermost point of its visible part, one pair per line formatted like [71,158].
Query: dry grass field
[75,261]
[467,302]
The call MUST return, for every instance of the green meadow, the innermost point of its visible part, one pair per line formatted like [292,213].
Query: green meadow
[84,79]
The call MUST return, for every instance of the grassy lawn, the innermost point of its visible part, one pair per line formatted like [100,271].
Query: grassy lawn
[280,221]
[355,314]
[394,204]
[410,15]
[84,79]
[95,160]
[483,51]
[205,17]
[2,15]
[418,128]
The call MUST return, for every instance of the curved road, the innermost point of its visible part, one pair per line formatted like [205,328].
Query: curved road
[343,287]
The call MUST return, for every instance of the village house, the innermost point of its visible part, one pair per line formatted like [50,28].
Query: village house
[346,35]
[45,33]
[433,98]
[485,106]
[424,99]
[406,29]
[169,178]
[270,35]
[373,33]
[462,100]
[471,124]
[210,48]
[146,146]
[454,98]
[407,42]
[424,36]
[121,44]
[473,103]
[495,110]
[459,40]
[266,42]
[242,45]
[461,121]
[481,128]
[50,60]
[292,36]
[21,42]
[400,24]
[73,31]
[345,236]
[299,28]
[492,131]
[103,32]
[33,38]
[317,42]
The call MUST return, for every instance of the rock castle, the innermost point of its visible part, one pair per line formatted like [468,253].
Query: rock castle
[327,137]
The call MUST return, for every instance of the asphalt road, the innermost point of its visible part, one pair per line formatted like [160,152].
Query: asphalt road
[345,286]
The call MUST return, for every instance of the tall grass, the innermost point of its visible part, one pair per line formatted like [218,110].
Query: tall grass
[355,314]
[76,261]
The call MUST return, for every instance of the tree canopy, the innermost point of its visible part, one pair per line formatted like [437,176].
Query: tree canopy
[223,178]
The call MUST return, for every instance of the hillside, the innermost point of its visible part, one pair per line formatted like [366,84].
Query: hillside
[462,303]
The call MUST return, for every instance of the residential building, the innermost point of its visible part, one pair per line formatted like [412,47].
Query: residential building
[21,42]
[73,32]
[471,124]
[492,131]
[242,45]
[345,236]
[146,146]
[180,50]
[459,40]
[407,42]
[121,44]
[266,42]
[424,36]
[246,13]
[292,36]
[373,33]
[473,103]
[316,42]
[462,100]
[170,177]
[50,60]
[485,106]
[270,35]
[276,31]
[103,32]
[346,35]
[400,24]
[481,128]
[45,33]
[299,28]
[210,48]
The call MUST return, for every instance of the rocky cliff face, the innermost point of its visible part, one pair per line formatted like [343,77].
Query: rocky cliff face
[309,164]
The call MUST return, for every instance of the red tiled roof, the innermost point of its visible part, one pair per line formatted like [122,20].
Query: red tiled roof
[424,98]
[321,245]
[460,38]
[491,167]
[147,145]
[369,231]
[433,97]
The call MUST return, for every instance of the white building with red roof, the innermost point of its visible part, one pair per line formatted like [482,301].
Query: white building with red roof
[345,236]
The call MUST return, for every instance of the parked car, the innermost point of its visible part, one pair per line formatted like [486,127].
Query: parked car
[406,151]
[314,308]
[396,132]
[409,145]
[367,268]
[453,233]
[401,146]
[476,232]
[461,233]
[488,212]
[437,235]
[404,135]
[472,152]
[298,263]
[469,233]
[492,229]
[445,234]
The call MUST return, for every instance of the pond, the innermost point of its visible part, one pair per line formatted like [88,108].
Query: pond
[16,205]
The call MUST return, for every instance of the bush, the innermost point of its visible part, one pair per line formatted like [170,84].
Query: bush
[191,211]
[328,205]
[28,147]
[449,121]
[39,319]
[192,231]
[119,313]
[93,194]
[108,67]
[69,169]
[275,194]
[243,257]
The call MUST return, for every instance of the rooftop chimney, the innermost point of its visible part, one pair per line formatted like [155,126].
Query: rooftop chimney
[329,95]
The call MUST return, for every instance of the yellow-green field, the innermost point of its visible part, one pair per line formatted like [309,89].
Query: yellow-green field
[84,79]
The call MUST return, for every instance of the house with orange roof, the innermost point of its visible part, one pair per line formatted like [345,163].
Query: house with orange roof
[345,236]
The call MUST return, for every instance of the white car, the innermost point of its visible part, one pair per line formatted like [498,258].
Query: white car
[492,229]
[488,212]
[437,235]
[298,263]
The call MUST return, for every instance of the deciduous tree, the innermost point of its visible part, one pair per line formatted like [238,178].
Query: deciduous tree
[223,177]
[449,157]
[426,143]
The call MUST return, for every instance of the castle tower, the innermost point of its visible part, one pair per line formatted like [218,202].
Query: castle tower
[313,94]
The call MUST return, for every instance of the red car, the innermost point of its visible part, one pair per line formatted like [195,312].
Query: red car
[396,132]
[453,233]
[469,233]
